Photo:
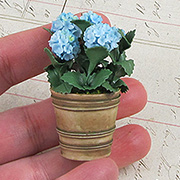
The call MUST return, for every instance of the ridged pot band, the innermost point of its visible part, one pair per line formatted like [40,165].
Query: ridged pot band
[85,124]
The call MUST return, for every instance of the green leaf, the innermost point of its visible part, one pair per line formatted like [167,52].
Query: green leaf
[75,79]
[114,54]
[56,83]
[53,76]
[122,67]
[91,78]
[126,40]
[82,24]
[121,85]
[63,88]
[130,36]
[104,63]
[122,57]
[99,78]
[128,66]
[83,62]
[107,86]
[117,70]
[80,81]
[95,55]
[51,57]
[48,30]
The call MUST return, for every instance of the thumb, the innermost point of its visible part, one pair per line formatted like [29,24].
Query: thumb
[101,169]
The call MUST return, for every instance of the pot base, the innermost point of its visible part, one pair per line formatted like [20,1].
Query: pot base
[85,146]
[85,153]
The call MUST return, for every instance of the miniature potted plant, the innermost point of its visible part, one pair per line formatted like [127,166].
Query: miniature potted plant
[85,84]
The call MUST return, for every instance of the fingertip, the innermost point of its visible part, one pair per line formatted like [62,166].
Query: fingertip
[105,18]
[134,100]
[131,143]
[97,169]
[110,168]
[106,168]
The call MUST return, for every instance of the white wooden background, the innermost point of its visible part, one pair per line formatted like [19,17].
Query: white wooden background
[156,51]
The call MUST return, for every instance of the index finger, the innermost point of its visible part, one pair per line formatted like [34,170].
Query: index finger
[22,55]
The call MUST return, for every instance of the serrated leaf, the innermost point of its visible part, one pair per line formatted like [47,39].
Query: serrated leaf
[56,83]
[130,36]
[54,62]
[128,66]
[114,54]
[121,85]
[100,78]
[75,79]
[63,88]
[91,78]
[122,57]
[123,67]
[82,24]
[117,70]
[124,43]
[81,82]
[126,40]
[108,87]
[53,76]
[95,55]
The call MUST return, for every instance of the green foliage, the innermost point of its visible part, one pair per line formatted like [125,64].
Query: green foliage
[109,87]
[120,83]
[75,79]
[55,72]
[95,55]
[128,66]
[114,54]
[48,30]
[126,40]
[118,56]
[82,62]
[53,76]
[83,82]
[99,78]
[54,62]
[115,86]
[90,72]
[82,24]
[63,88]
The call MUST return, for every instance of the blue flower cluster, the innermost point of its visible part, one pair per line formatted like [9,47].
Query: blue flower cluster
[65,44]
[63,22]
[91,17]
[65,39]
[102,35]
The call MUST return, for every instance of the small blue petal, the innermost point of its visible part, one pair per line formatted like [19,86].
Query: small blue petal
[102,40]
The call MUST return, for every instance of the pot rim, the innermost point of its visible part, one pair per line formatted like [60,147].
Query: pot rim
[86,96]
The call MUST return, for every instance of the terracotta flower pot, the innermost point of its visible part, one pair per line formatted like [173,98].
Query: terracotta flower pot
[85,124]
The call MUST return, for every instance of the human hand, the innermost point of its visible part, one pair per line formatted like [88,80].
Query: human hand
[26,131]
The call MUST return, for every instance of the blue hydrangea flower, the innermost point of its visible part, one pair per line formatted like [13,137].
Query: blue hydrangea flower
[65,44]
[91,17]
[63,21]
[102,35]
